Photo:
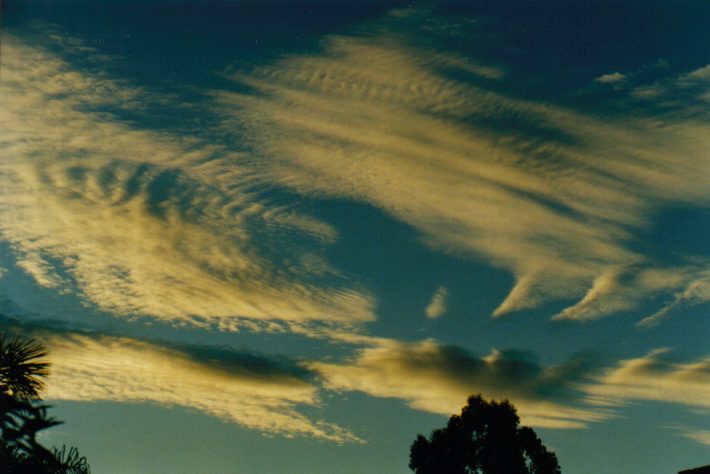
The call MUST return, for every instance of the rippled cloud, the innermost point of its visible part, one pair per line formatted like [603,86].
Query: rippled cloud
[144,222]
[558,197]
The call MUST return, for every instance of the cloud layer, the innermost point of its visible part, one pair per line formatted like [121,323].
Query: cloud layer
[438,379]
[145,222]
[556,196]
[127,370]
[254,391]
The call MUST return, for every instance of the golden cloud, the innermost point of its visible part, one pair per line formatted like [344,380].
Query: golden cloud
[146,222]
[655,377]
[552,194]
[103,368]
[438,379]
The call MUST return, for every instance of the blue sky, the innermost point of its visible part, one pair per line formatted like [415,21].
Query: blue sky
[289,236]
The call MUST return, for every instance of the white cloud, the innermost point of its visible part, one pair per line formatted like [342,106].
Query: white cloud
[127,370]
[146,222]
[437,307]
[374,120]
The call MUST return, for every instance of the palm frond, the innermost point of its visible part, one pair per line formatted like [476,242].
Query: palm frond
[22,368]
[71,461]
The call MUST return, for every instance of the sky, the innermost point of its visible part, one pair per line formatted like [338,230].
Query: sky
[288,236]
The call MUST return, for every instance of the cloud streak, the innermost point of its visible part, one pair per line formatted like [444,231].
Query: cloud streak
[553,195]
[697,435]
[655,377]
[254,391]
[127,370]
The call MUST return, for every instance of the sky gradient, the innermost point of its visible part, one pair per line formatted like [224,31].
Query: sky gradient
[287,236]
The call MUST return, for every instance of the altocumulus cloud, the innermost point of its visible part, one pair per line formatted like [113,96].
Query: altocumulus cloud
[144,222]
[552,194]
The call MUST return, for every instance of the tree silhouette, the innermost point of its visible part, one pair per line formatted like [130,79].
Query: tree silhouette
[22,370]
[22,414]
[484,439]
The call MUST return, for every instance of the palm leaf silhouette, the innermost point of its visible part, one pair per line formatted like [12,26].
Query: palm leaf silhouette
[22,370]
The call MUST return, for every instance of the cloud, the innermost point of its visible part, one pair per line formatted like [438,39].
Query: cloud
[654,377]
[156,223]
[126,370]
[625,80]
[697,435]
[438,379]
[698,291]
[145,222]
[553,195]
[611,78]
[688,91]
[252,390]
[437,307]
[621,289]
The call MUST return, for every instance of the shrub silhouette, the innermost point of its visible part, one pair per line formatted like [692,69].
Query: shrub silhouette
[484,439]
[23,415]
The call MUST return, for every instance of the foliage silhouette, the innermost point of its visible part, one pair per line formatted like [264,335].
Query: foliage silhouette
[22,415]
[484,439]
[22,371]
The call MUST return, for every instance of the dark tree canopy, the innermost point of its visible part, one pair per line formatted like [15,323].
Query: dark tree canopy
[23,415]
[484,439]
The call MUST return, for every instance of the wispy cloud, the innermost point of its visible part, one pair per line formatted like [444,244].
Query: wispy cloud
[552,194]
[688,91]
[697,435]
[655,377]
[437,307]
[127,370]
[698,291]
[143,222]
[255,391]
